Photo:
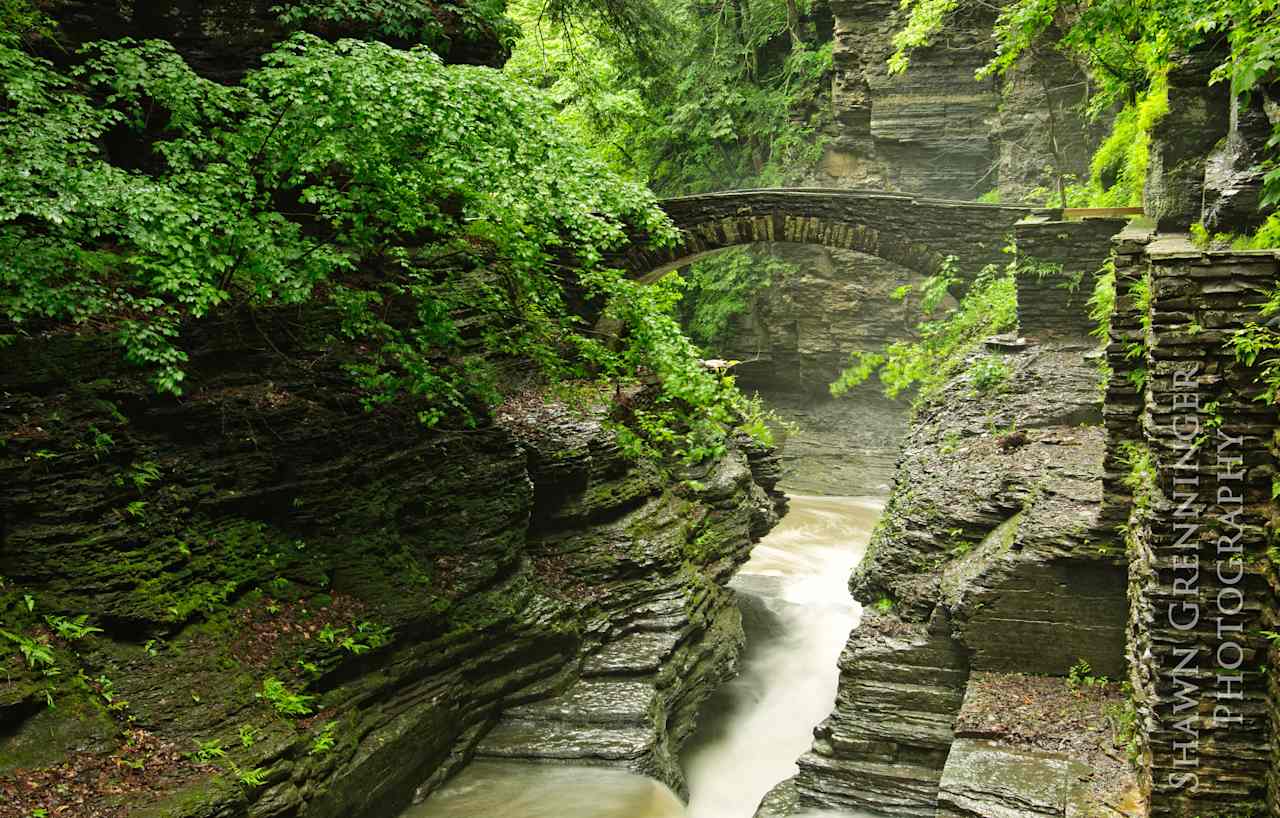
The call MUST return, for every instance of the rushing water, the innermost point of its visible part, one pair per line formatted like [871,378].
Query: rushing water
[798,614]
[505,789]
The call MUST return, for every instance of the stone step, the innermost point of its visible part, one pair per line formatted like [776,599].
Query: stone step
[926,730]
[600,700]
[639,652]
[894,789]
[895,696]
[530,740]
[984,779]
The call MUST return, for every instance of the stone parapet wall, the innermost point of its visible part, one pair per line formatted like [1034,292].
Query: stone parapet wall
[890,226]
[1189,451]
[1058,266]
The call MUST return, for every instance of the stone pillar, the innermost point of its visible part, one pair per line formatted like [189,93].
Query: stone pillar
[1197,531]
[1058,266]
[1124,400]
[1233,171]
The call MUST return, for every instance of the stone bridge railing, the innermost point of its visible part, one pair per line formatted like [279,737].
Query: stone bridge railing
[915,232]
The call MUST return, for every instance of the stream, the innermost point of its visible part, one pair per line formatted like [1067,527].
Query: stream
[797,613]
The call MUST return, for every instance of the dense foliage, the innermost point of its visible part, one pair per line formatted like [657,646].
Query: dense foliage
[945,338]
[680,94]
[687,97]
[440,210]
[418,21]
[1128,49]
[721,287]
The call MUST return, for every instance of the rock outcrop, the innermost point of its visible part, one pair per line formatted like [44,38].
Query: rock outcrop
[991,556]
[266,559]
[1183,139]
[825,304]
[924,131]
[1233,171]
[935,129]
[884,746]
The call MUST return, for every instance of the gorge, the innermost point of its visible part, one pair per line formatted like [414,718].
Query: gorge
[428,409]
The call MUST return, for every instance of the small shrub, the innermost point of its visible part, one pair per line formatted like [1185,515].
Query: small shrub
[35,654]
[71,629]
[1080,677]
[324,740]
[1123,718]
[252,777]
[208,750]
[942,342]
[285,701]
[989,374]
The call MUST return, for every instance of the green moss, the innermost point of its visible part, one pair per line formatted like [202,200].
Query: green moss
[1118,170]
[42,740]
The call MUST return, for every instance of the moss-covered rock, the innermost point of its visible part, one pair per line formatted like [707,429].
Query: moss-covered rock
[328,608]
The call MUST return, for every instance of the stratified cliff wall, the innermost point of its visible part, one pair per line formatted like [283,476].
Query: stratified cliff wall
[937,130]
[416,584]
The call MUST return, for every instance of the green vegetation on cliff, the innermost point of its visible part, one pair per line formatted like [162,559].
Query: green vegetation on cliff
[1127,49]
[684,96]
[945,338]
[439,211]
[688,98]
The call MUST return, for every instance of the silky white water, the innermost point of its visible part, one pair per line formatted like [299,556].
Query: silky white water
[797,613]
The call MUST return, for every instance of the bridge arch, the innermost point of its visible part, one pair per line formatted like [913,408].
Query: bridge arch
[913,232]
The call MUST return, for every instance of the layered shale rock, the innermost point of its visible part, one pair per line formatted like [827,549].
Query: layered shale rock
[924,131]
[884,745]
[1039,746]
[423,586]
[1195,447]
[799,330]
[935,129]
[990,557]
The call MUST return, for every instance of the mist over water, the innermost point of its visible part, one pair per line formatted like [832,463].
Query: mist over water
[797,613]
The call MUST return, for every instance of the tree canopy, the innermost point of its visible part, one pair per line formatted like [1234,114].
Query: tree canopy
[425,204]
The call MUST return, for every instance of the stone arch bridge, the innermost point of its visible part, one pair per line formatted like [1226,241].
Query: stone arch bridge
[917,233]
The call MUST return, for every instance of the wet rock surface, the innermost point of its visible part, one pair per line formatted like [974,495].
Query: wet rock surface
[799,331]
[935,129]
[990,557]
[1073,734]
[884,746]
[523,575]
[983,779]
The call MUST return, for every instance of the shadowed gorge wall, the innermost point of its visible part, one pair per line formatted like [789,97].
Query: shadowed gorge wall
[935,130]
[215,537]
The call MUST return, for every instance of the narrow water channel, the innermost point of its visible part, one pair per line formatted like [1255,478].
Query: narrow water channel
[798,613]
